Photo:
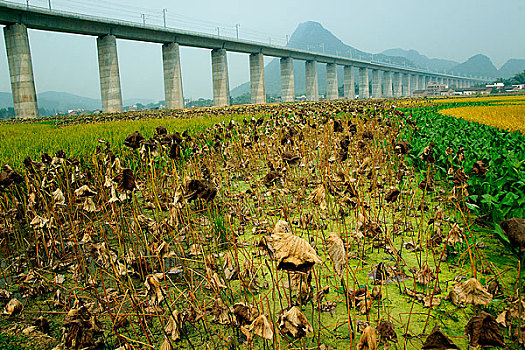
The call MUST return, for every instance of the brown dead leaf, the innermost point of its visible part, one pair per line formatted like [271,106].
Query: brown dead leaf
[318,197]
[221,312]
[293,253]
[294,323]
[154,290]
[425,275]
[14,307]
[438,341]
[515,230]
[387,332]
[125,180]
[455,235]
[336,251]
[261,327]
[484,330]
[470,292]
[368,340]
[391,194]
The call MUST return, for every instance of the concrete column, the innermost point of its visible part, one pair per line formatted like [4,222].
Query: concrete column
[407,88]
[427,80]
[21,71]
[109,74]
[422,85]
[363,83]
[287,80]
[312,92]
[221,83]
[258,90]
[172,76]
[398,87]
[376,84]
[413,83]
[348,82]
[387,84]
[331,82]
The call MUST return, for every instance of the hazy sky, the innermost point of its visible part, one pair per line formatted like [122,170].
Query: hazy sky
[452,29]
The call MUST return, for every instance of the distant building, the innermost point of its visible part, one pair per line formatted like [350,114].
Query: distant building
[519,86]
[495,85]
[434,90]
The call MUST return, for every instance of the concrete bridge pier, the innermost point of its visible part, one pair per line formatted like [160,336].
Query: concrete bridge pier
[413,83]
[407,87]
[21,71]
[348,82]
[221,83]
[258,89]
[172,76]
[331,82]
[110,91]
[287,80]
[387,84]
[363,83]
[422,85]
[312,92]
[398,84]
[376,84]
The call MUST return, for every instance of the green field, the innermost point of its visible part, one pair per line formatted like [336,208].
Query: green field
[177,240]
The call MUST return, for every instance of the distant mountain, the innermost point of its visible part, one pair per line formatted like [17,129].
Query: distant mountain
[435,64]
[511,67]
[478,65]
[313,36]
[61,102]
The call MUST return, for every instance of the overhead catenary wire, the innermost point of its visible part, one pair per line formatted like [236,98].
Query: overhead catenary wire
[160,17]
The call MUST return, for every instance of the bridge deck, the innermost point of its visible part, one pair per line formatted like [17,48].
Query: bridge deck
[59,21]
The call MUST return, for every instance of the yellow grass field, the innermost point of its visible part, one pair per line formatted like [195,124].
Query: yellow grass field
[507,117]
[506,99]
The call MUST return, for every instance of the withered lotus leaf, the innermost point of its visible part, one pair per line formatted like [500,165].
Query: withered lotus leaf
[386,331]
[13,307]
[261,327]
[402,147]
[483,330]
[318,197]
[272,178]
[221,312]
[470,292]
[82,329]
[84,191]
[174,325]
[391,194]
[294,323]
[438,341]
[428,153]
[9,176]
[200,189]
[125,180]
[133,140]
[153,289]
[368,340]
[479,168]
[290,158]
[336,251]
[425,275]
[515,230]
[58,197]
[244,313]
[455,235]
[293,253]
